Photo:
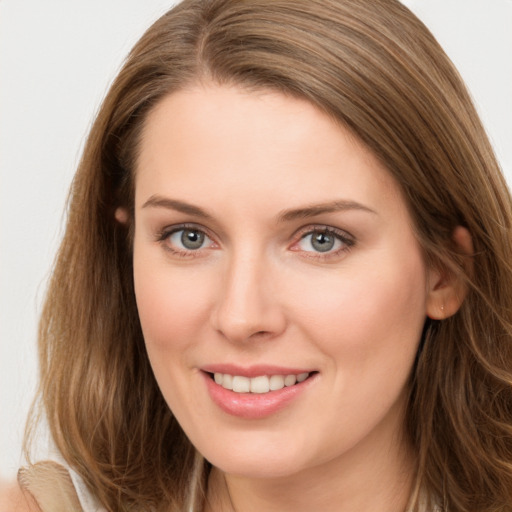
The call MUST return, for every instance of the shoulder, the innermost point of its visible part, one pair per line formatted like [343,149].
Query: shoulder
[51,486]
[47,486]
[14,499]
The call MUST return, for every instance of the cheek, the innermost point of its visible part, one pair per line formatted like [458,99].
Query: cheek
[366,309]
[172,312]
[368,325]
[171,304]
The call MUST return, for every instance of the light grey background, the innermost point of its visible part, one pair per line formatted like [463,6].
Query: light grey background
[56,60]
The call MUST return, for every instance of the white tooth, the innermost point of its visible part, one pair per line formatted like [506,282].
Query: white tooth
[218,377]
[290,380]
[241,384]
[302,376]
[276,382]
[260,384]
[227,382]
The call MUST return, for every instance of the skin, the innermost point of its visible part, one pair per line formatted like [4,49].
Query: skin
[13,498]
[258,292]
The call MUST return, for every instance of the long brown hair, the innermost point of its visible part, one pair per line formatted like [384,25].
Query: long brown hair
[374,68]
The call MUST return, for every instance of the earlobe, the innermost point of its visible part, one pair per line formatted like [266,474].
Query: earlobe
[447,289]
[121,215]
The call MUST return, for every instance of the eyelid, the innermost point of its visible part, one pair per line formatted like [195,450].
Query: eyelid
[162,235]
[164,232]
[312,228]
[347,238]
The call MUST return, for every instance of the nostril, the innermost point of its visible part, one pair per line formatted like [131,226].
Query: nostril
[260,335]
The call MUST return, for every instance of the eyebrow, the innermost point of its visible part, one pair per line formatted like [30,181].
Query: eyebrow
[318,209]
[305,212]
[156,201]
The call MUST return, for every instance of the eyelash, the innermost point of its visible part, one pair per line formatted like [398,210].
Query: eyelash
[347,241]
[163,238]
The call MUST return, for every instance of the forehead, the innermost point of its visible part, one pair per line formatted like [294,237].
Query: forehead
[219,138]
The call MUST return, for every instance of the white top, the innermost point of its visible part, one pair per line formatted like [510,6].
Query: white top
[87,501]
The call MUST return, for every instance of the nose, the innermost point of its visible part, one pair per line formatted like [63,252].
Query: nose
[248,305]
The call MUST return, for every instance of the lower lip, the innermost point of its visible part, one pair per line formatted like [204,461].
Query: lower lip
[254,405]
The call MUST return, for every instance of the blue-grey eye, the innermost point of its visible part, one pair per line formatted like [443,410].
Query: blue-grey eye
[188,239]
[320,241]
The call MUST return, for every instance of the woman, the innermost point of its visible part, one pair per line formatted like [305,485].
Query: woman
[285,280]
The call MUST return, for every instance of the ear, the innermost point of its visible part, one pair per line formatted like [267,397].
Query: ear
[121,215]
[446,289]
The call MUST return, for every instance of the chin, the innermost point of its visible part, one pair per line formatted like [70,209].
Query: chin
[256,469]
[259,460]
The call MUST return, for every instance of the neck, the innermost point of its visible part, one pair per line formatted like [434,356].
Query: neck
[369,478]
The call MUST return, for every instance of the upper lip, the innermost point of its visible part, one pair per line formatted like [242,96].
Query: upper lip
[254,370]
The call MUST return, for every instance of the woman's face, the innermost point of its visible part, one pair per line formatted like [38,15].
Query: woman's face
[271,247]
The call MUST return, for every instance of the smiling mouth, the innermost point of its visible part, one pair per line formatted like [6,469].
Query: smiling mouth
[258,385]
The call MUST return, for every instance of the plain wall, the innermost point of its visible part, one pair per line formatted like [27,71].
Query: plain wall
[57,59]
